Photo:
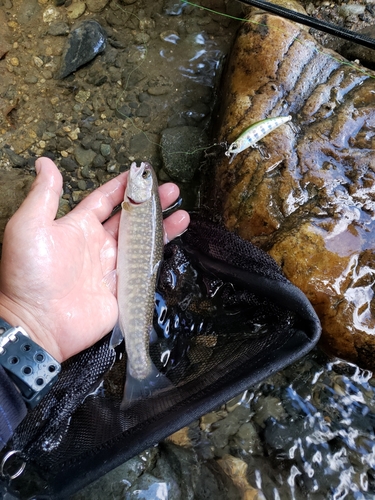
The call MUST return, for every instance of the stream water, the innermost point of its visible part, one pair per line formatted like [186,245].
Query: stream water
[308,431]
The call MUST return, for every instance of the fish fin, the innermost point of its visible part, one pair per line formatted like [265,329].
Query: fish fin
[137,390]
[116,337]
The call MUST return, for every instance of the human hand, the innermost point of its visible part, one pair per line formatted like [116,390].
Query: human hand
[52,274]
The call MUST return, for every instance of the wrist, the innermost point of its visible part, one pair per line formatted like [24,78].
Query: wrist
[31,368]
[17,315]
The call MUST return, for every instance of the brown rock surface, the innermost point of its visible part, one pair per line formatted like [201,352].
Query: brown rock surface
[308,196]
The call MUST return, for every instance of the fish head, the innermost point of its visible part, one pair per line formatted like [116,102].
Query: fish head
[140,183]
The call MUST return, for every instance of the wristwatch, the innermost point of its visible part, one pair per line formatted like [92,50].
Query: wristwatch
[32,369]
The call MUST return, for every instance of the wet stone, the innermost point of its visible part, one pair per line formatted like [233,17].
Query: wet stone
[68,164]
[307,195]
[105,149]
[144,147]
[31,79]
[83,44]
[84,157]
[182,149]
[15,159]
[58,28]
[96,5]
[143,110]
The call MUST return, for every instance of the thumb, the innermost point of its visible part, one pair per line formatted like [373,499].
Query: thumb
[42,202]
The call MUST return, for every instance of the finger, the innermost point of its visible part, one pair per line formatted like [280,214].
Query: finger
[175,224]
[104,199]
[42,202]
[169,193]
[112,224]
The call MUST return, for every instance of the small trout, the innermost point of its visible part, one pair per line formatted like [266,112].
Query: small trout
[255,133]
[140,251]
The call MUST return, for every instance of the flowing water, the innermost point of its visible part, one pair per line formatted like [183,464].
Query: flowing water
[305,433]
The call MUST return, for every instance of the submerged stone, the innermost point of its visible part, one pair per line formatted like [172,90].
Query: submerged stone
[307,195]
[82,45]
[182,149]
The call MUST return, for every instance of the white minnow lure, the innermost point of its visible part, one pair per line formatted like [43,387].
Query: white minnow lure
[255,133]
[140,251]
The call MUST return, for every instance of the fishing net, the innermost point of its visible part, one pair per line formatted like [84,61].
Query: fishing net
[225,317]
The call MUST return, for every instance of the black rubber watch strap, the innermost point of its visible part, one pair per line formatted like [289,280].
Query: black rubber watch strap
[31,368]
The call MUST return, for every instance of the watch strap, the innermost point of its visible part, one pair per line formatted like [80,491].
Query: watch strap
[32,369]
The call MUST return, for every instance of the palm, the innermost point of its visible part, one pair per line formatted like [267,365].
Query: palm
[58,276]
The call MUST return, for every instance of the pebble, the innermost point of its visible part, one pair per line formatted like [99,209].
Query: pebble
[84,157]
[58,28]
[14,61]
[51,14]
[75,10]
[64,208]
[99,161]
[158,90]
[105,149]
[69,164]
[347,10]
[82,96]
[96,5]
[38,62]
[15,159]
[114,168]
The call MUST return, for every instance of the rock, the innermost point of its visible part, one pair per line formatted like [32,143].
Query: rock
[84,157]
[307,195]
[96,5]
[68,164]
[64,208]
[181,149]
[51,14]
[14,186]
[236,469]
[58,28]
[83,43]
[76,9]
[105,149]
[144,147]
[15,159]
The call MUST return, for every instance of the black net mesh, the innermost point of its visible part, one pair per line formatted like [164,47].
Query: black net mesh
[225,317]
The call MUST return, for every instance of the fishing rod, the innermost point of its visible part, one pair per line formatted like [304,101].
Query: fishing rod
[312,22]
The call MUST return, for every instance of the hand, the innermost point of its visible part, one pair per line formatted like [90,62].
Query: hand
[52,274]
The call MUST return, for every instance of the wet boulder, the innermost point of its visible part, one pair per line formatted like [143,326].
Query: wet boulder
[84,43]
[307,195]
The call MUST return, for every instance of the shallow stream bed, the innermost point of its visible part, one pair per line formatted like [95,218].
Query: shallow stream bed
[305,433]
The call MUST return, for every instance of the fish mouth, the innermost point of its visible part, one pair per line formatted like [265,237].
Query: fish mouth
[133,202]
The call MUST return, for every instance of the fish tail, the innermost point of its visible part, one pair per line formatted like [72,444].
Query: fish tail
[140,389]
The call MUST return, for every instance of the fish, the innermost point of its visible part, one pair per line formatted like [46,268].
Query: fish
[253,134]
[139,255]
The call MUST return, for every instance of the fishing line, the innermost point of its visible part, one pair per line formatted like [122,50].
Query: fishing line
[341,61]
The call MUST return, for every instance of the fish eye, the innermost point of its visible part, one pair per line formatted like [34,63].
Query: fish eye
[146,174]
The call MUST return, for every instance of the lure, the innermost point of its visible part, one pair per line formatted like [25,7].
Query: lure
[253,134]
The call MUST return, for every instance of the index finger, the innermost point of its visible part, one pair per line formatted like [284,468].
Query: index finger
[105,198]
